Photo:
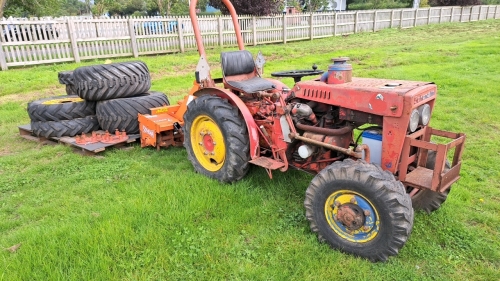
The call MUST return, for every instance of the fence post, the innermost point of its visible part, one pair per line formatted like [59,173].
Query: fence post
[392,18]
[461,13]
[496,11]
[401,18]
[415,18]
[254,28]
[429,16]
[440,14]
[284,28]
[221,30]
[375,21]
[133,39]
[72,38]
[356,22]
[470,14]
[180,31]
[3,61]
[311,28]
[335,25]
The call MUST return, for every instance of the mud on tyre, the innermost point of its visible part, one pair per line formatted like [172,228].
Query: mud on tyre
[60,108]
[360,209]
[122,113]
[111,81]
[216,139]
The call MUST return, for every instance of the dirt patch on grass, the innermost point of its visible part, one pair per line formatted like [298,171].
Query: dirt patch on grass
[27,97]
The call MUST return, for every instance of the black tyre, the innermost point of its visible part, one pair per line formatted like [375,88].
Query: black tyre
[216,139]
[60,108]
[65,77]
[65,128]
[122,113]
[70,90]
[112,81]
[428,200]
[360,209]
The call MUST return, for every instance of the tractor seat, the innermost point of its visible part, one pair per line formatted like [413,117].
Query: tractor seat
[239,72]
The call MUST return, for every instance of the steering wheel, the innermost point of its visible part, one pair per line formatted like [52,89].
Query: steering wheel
[298,74]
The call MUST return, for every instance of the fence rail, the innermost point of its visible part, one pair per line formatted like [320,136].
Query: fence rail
[30,42]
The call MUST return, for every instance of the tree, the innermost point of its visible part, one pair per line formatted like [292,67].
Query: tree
[314,5]
[249,7]
[202,5]
[73,7]
[167,7]
[24,8]
[2,5]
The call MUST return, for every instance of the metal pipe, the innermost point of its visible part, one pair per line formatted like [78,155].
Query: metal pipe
[324,131]
[366,149]
[237,29]
[196,28]
[357,154]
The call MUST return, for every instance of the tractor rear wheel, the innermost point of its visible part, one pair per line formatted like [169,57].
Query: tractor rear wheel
[360,209]
[60,108]
[216,139]
[111,81]
[65,77]
[65,128]
[426,199]
[121,114]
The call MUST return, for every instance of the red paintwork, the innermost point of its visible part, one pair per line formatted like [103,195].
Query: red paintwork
[208,143]
[253,131]
[386,103]
[395,104]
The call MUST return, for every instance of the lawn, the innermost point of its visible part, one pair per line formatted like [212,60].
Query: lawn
[140,214]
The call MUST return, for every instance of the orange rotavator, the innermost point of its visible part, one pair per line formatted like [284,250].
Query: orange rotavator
[364,207]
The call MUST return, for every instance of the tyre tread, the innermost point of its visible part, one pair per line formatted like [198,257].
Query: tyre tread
[384,185]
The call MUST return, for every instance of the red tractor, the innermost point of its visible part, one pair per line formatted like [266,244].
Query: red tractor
[362,197]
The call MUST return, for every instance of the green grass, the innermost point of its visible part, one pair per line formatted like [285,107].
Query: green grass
[140,214]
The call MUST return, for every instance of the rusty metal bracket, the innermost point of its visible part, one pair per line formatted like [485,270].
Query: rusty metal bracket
[106,137]
[436,179]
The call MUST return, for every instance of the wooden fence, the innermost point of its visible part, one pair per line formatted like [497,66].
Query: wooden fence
[29,42]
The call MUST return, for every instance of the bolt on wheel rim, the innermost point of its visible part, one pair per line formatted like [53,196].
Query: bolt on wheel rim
[352,216]
[208,144]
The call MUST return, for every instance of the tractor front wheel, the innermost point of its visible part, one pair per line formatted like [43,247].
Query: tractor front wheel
[216,139]
[360,209]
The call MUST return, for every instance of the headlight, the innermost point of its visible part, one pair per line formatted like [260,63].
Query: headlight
[414,118]
[425,114]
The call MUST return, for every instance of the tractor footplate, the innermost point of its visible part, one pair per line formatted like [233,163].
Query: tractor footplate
[267,163]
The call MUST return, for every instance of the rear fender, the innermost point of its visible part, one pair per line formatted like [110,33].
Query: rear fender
[253,130]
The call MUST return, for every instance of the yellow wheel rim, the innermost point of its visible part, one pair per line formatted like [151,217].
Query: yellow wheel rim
[62,100]
[352,216]
[208,144]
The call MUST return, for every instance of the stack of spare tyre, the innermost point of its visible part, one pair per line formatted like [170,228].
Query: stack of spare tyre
[106,96]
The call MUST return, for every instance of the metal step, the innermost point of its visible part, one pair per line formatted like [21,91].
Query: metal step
[420,177]
[267,163]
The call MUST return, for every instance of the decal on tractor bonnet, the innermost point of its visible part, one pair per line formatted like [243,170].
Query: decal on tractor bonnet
[423,97]
[148,131]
